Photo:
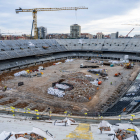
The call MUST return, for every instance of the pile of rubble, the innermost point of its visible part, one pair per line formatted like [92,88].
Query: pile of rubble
[35,134]
[83,90]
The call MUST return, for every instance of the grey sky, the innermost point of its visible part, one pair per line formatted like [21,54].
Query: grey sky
[102,16]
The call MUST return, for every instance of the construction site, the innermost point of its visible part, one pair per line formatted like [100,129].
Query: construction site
[63,85]
[70,86]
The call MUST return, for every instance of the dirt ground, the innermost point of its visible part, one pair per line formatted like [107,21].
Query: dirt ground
[37,86]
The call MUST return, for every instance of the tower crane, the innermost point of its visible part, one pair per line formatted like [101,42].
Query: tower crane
[35,10]
[129,32]
[132,24]
[133,28]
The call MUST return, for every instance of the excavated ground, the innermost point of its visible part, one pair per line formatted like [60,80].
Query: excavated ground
[83,98]
[21,105]
[2,96]
[8,102]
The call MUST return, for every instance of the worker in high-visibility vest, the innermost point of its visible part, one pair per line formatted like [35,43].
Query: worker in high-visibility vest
[5,88]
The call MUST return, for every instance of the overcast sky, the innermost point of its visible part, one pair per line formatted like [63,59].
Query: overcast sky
[105,16]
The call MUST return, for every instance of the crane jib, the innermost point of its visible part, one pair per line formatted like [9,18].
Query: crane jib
[18,10]
[35,10]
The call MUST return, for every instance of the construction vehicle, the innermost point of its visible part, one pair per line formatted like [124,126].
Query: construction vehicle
[117,74]
[35,10]
[127,66]
[100,82]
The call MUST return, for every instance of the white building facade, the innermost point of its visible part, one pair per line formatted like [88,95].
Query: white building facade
[75,31]
[42,32]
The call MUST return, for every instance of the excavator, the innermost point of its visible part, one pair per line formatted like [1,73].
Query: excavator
[117,74]
[127,66]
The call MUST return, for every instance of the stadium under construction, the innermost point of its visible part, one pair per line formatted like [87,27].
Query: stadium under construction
[45,76]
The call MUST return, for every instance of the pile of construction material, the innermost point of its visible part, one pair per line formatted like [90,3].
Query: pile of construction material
[58,88]
[102,72]
[65,122]
[88,75]
[62,86]
[56,92]
[68,60]
[36,134]
[95,82]
[122,61]
[87,66]
[94,61]
[40,68]
[119,131]
[57,63]
[27,73]
[20,73]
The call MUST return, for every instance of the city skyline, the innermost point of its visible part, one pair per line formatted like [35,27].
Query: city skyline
[104,16]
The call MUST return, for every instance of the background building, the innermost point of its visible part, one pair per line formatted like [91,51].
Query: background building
[75,31]
[114,35]
[136,36]
[42,32]
[86,36]
[57,36]
[107,36]
[100,35]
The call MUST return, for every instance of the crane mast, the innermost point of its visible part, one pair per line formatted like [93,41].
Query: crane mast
[35,10]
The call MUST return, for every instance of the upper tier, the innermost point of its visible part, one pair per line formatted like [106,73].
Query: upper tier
[21,48]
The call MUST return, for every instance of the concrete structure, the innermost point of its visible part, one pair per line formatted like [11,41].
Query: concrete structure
[10,49]
[81,131]
[100,35]
[75,31]
[42,32]
[86,36]
[114,35]
[15,49]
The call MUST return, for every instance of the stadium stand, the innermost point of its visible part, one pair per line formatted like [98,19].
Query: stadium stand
[130,100]
[112,45]
[24,52]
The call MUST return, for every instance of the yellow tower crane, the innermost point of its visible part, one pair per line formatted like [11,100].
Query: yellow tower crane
[35,10]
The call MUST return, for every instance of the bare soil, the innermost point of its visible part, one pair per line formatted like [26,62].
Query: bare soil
[39,108]
[38,86]
[8,102]
[21,105]
[2,96]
